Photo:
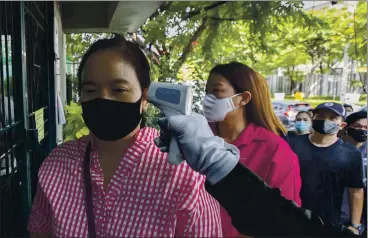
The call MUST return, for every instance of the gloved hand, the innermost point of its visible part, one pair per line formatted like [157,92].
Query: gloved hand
[205,153]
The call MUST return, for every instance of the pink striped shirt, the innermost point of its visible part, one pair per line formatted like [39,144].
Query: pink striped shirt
[146,197]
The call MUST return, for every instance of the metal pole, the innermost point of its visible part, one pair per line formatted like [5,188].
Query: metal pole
[21,111]
[28,198]
[366,75]
[51,75]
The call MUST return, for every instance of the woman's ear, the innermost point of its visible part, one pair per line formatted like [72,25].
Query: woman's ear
[144,99]
[246,97]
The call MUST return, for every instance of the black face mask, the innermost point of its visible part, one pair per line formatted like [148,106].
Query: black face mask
[357,135]
[111,120]
[325,127]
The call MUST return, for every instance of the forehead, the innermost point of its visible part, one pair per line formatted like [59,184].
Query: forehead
[217,80]
[106,66]
[363,122]
[303,115]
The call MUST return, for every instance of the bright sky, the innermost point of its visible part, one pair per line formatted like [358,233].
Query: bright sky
[309,4]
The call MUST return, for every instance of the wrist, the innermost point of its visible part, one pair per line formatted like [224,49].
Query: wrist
[213,157]
[223,166]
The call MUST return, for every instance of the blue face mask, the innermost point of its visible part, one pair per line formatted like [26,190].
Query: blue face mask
[325,126]
[303,126]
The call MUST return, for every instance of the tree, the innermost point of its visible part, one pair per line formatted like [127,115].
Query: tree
[208,33]
[358,49]
[318,40]
[184,40]
[77,44]
[324,41]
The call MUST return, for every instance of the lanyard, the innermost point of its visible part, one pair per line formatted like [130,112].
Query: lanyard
[87,184]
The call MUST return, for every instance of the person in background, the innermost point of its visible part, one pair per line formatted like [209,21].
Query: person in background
[239,110]
[328,165]
[116,182]
[356,134]
[303,123]
[255,208]
[303,126]
[348,109]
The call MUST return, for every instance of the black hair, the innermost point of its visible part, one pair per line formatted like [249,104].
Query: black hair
[348,105]
[306,112]
[130,53]
[312,111]
[355,117]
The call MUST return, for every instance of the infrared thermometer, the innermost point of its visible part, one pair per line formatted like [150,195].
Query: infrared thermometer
[172,99]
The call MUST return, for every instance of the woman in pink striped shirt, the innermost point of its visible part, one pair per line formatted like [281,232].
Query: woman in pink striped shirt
[116,182]
[238,105]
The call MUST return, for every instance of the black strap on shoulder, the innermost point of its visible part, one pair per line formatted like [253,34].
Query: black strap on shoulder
[87,184]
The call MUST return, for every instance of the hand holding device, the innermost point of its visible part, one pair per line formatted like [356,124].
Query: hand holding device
[205,153]
[172,99]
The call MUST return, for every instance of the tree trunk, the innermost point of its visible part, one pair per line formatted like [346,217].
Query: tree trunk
[321,77]
[293,86]
[189,47]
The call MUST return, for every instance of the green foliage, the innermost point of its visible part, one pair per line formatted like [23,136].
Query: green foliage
[358,49]
[264,35]
[151,116]
[77,44]
[199,35]
[356,83]
[186,39]
[74,127]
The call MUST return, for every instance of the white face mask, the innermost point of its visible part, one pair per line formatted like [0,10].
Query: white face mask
[216,109]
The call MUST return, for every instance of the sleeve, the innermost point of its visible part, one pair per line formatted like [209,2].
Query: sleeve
[284,173]
[40,218]
[355,172]
[199,213]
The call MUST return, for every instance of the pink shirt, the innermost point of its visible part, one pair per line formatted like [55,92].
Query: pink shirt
[146,197]
[271,158]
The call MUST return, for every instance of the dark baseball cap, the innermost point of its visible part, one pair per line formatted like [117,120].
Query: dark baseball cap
[355,117]
[335,107]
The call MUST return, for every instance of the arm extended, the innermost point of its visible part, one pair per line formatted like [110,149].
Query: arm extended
[255,208]
[258,210]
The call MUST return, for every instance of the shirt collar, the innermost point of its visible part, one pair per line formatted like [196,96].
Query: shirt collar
[129,160]
[143,136]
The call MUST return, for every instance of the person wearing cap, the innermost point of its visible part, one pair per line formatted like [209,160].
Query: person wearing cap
[328,165]
[255,209]
[355,133]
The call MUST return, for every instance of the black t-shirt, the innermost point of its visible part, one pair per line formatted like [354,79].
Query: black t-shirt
[289,136]
[325,173]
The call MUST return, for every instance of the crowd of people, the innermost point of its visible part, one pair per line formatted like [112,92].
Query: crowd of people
[331,149]
[117,182]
